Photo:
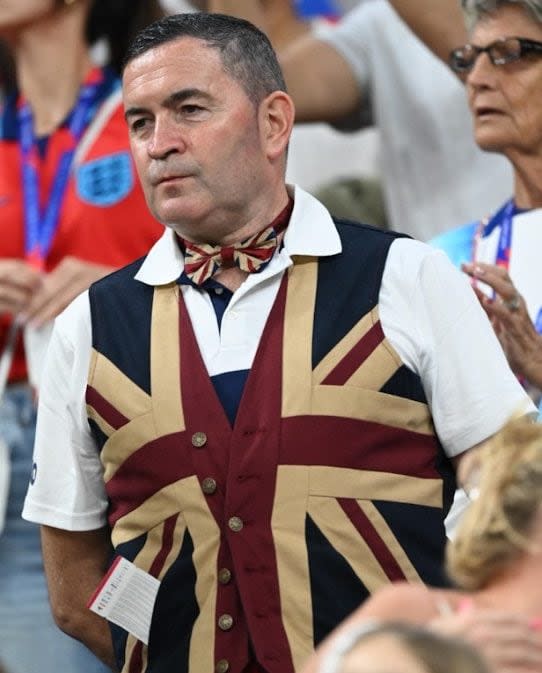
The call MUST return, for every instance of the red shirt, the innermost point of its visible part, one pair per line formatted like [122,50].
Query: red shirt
[104,218]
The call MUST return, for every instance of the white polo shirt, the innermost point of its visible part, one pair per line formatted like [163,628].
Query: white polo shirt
[428,312]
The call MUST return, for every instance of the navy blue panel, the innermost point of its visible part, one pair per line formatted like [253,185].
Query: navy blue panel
[122,307]
[449,482]
[174,615]
[405,383]
[99,436]
[420,531]
[336,589]
[119,636]
[229,389]
[348,284]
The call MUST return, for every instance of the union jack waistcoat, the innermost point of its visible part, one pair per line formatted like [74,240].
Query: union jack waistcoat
[330,483]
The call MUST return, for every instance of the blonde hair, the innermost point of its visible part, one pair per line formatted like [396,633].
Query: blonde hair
[495,530]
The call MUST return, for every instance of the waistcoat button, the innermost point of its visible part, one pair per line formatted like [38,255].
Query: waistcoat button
[225,622]
[235,524]
[208,485]
[222,666]
[224,575]
[199,439]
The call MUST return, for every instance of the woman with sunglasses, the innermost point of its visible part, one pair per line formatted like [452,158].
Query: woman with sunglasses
[71,210]
[502,70]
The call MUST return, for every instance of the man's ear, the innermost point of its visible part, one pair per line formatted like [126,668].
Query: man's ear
[277,114]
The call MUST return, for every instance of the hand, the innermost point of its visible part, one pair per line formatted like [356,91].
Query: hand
[511,322]
[18,283]
[58,288]
[507,641]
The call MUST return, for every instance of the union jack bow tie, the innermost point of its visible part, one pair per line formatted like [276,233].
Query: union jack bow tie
[202,260]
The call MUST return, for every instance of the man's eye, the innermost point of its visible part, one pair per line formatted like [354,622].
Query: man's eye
[138,124]
[191,109]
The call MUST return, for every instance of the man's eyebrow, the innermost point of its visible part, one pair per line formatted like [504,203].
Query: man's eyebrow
[171,101]
[179,96]
[134,112]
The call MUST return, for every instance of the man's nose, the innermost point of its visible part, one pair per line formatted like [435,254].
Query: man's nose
[167,138]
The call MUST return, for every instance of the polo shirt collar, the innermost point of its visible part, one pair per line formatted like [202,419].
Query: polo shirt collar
[311,232]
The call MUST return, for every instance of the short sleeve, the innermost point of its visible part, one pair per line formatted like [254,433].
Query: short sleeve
[434,321]
[67,489]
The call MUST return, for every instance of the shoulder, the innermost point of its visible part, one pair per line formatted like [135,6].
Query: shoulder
[359,235]
[401,600]
[118,278]
[411,261]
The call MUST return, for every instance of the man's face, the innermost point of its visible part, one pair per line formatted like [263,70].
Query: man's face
[195,139]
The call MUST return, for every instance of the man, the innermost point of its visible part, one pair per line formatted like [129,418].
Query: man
[256,437]
[370,70]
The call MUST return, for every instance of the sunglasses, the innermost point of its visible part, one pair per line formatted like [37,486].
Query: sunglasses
[502,51]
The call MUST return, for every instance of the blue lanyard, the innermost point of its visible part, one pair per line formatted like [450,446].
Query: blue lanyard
[41,223]
[504,218]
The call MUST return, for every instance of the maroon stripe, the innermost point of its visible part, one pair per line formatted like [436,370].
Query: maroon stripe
[106,410]
[151,468]
[355,357]
[364,445]
[369,533]
[254,453]
[136,660]
[167,544]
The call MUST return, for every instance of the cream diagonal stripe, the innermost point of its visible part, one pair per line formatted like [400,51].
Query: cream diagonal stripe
[377,369]
[297,341]
[343,536]
[288,525]
[340,482]
[145,559]
[125,442]
[156,509]
[166,361]
[115,387]
[391,542]
[206,537]
[346,344]
[372,406]
[131,642]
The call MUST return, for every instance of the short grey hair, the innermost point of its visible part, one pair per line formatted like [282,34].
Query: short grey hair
[476,9]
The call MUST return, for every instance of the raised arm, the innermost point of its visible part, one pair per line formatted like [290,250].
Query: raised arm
[438,23]
[319,80]
[75,563]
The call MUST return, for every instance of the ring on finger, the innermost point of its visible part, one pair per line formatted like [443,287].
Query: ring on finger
[513,303]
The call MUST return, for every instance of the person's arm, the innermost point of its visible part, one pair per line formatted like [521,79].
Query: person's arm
[319,80]
[75,563]
[438,23]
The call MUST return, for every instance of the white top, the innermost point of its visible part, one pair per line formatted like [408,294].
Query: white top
[428,312]
[434,176]
[525,266]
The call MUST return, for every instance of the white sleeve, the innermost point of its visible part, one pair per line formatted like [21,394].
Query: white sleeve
[434,321]
[353,38]
[66,489]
